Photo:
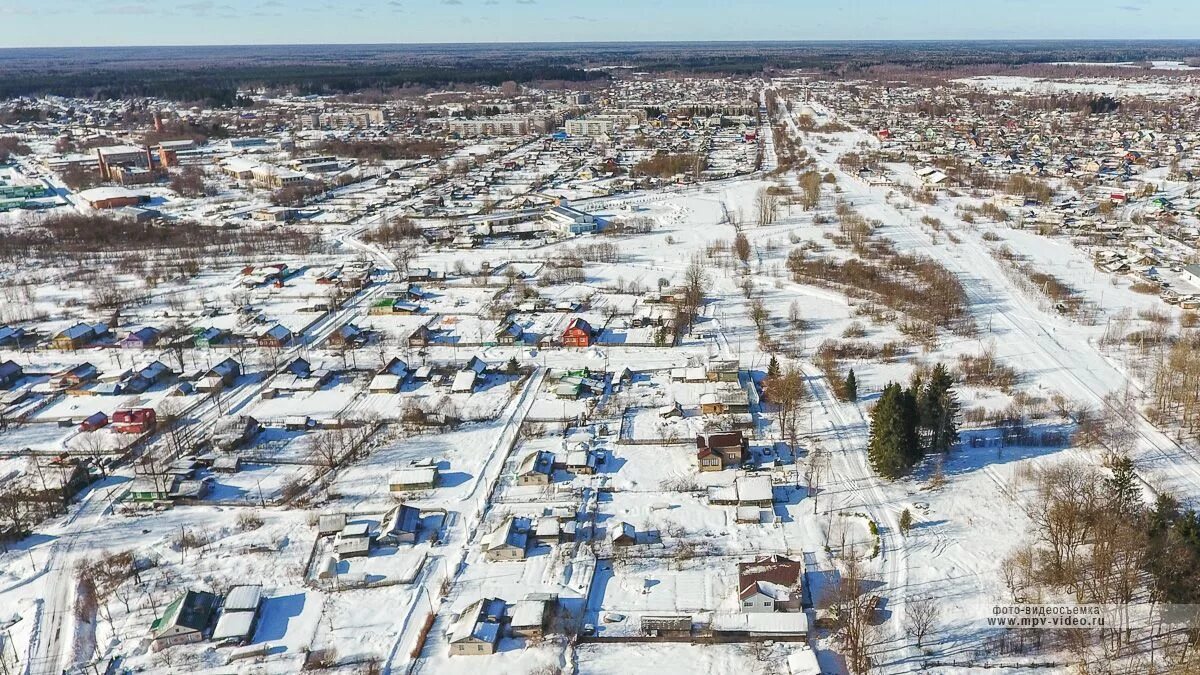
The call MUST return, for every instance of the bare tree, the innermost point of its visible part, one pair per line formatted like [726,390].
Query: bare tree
[922,615]
[852,609]
[818,461]
[787,392]
[766,205]
[741,247]
[93,446]
[326,449]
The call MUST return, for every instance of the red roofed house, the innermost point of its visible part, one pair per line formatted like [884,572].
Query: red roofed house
[718,451]
[770,584]
[133,420]
[577,334]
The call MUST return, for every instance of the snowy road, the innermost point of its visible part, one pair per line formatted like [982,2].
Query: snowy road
[1062,353]
[53,647]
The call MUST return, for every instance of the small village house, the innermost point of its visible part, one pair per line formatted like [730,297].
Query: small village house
[729,448]
[536,469]
[185,620]
[578,333]
[770,584]
[509,541]
[409,480]
[476,631]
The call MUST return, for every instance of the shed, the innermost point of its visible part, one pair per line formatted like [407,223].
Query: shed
[464,382]
[405,480]
[675,625]
[235,628]
[330,523]
[528,619]
[401,525]
[244,598]
[227,464]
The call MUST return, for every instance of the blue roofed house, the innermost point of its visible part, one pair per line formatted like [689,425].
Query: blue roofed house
[476,631]
[206,337]
[11,335]
[74,337]
[141,338]
[276,336]
[536,469]
[149,376]
[10,374]
[220,376]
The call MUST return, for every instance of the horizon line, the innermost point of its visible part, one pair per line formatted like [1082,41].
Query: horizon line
[615,42]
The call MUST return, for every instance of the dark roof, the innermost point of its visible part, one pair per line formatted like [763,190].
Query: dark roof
[775,569]
[730,439]
[78,331]
[581,324]
[143,334]
[404,519]
[192,610]
[9,369]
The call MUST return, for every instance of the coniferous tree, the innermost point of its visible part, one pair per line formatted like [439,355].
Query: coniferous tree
[893,447]
[850,388]
[939,410]
[773,368]
[1125,495]
[910,416]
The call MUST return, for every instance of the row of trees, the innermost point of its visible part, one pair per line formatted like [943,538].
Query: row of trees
[907,423]
[11,145]
[666,166]
[917,286]
[384,150]
[75,234]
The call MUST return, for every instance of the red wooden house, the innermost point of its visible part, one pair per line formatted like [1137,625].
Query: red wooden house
[577,334]
[134,420]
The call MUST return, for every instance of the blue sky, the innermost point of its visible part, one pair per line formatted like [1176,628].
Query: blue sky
[31,23]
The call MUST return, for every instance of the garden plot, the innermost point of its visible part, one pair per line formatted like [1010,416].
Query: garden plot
[227,550]
[459,299]
[461,329]
[646,468]
[458,454]
[664,518]
[385,564]
[326,403]
[394,328]
[550,408]
[640,586]
[256,482]
[648,424]
[37,437]
[70,408]
[619,333]
[542,571]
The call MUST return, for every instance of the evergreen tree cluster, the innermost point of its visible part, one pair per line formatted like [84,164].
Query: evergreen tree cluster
[1173,551]
[907,423]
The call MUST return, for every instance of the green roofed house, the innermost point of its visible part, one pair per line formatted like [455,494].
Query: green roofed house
[185,620]
[152,488]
